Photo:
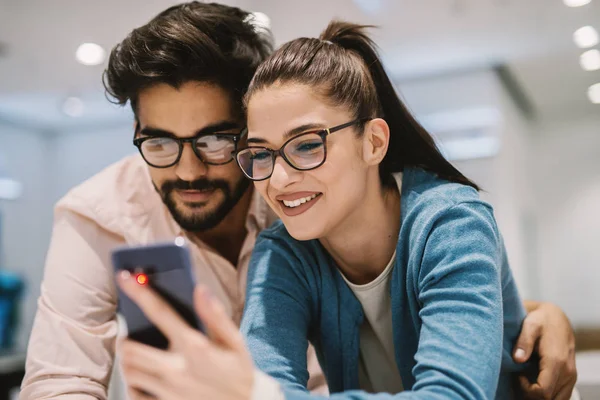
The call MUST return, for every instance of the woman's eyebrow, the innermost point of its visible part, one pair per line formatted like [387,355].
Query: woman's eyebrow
[292,132]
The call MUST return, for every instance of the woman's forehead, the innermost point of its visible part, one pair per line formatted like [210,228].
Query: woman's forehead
[284,107]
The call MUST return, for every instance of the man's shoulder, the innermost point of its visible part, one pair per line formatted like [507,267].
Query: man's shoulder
[121,190]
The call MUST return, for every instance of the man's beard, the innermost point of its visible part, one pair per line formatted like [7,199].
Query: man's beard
[209,219]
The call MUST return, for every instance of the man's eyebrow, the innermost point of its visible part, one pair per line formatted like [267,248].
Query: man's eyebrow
[149,131]
[216,127]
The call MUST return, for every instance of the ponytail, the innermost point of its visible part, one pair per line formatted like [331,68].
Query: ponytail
[344,66]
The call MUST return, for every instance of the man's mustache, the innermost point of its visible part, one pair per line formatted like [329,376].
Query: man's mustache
[199,184]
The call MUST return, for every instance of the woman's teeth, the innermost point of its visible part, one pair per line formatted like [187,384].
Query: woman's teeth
[297,202]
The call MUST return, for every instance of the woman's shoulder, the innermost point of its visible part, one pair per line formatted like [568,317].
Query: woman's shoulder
[428,201]
[421,187]
[446,226]
[276,239]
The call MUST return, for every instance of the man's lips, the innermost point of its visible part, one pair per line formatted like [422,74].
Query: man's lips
[195,196]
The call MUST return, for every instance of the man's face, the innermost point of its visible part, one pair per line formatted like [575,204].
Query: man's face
[197,194]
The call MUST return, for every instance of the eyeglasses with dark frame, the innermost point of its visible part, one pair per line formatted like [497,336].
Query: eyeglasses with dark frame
[304,152]
[212,149]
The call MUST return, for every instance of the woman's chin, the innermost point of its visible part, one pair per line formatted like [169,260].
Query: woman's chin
[303,233]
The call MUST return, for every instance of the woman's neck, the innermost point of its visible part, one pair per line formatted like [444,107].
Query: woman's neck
[363,245]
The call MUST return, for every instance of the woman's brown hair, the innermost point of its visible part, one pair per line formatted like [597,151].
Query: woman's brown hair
[344,68]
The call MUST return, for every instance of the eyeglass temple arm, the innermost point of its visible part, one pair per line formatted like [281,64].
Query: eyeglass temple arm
[343,126]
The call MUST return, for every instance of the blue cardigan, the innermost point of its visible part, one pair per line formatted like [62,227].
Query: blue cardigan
[456,310]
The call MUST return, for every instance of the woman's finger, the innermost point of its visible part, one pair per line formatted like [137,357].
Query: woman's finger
[148,359]
[158,311]
[145,383]
[134,394]
[218,324]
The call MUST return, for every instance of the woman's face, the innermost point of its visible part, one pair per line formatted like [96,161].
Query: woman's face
[312,204]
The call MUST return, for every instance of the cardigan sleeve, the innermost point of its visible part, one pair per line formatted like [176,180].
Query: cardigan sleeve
[277,314]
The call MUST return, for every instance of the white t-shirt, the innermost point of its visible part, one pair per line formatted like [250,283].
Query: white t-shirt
[377,369]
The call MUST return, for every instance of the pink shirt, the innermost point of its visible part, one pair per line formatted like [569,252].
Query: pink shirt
[71,349]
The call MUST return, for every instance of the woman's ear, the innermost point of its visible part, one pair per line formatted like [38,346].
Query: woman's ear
[376,139]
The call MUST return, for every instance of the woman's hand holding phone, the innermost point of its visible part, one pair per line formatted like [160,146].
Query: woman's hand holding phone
[195,366]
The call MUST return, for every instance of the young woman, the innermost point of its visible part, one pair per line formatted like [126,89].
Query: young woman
[385,257]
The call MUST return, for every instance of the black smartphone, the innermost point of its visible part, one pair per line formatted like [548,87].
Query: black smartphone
[167,269]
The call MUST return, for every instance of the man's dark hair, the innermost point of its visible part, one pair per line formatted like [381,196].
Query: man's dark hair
[194,41]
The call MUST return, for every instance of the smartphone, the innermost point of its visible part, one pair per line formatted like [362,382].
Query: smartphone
[167,269]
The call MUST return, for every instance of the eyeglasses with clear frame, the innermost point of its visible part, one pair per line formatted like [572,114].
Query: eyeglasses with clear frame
[304,152]
[211,149]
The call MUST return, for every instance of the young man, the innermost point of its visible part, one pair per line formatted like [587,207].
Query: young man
[184,73]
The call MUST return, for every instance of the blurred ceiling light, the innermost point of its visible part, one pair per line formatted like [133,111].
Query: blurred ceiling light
[576,3]
[90,54]
[590,60]
[10,189]
[585,37]
[73,107]
[594,93]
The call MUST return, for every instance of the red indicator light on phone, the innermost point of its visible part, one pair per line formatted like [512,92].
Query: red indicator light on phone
[142,279]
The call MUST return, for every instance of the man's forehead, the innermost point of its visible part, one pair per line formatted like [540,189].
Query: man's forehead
[190,108]
[190,97]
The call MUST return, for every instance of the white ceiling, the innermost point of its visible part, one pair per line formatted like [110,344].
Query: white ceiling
[418,38]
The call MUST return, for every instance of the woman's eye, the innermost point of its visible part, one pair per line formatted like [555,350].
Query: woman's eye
[307,147]
[260,156]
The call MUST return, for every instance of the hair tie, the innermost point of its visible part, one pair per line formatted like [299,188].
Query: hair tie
[327,41]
